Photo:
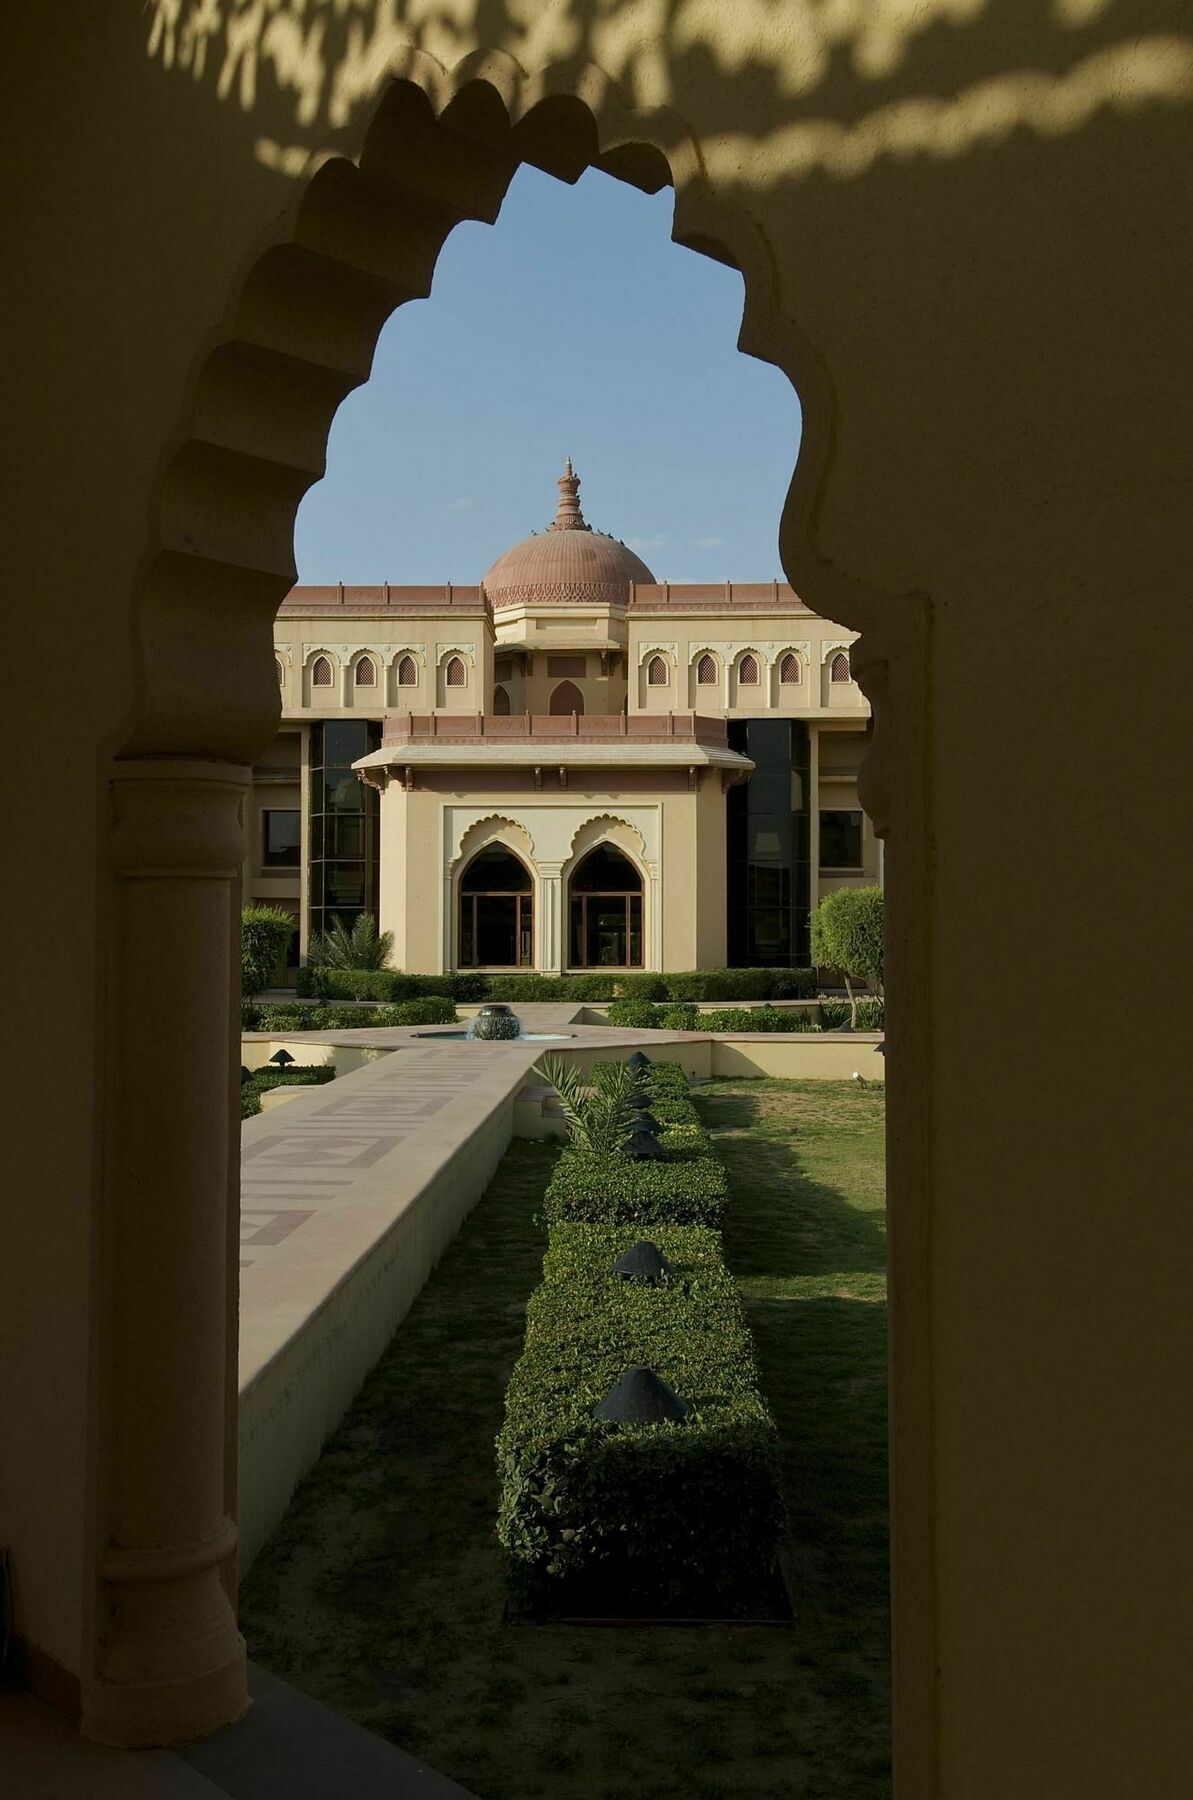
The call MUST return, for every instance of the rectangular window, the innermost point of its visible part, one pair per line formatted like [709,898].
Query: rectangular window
[841,840]
[281,838]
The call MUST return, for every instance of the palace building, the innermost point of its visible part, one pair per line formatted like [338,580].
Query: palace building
[570,765]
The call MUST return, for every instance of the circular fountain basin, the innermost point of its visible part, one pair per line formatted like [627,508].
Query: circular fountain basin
[526,1037]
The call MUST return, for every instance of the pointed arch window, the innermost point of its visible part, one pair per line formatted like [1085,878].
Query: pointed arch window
[407,672]
[321,672]
[501,702]
[656,672]
[455,675]
[496,912]
[839,667]
[706,671]
[789,670]
[366,672]
[565,699]
[605,911]
[747,671]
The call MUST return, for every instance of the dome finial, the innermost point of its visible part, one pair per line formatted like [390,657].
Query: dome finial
[568,516]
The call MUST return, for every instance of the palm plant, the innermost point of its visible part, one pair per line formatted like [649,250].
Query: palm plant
[598,1119]
[360,947]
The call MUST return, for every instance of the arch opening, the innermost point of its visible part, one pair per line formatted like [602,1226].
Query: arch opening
[495,911]
[605,901]
[566,699]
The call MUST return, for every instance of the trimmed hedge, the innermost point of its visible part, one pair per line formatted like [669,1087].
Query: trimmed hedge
[287,1016]
[828,1015]
[294,1075]
[614,1190]
[468,987]
[680,1517]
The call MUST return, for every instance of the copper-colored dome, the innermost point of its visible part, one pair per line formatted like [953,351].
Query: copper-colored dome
[569,562]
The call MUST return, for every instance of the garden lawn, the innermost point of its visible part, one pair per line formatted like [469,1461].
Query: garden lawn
[381,1592]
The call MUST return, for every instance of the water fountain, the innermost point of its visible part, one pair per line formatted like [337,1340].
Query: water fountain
[496,1023]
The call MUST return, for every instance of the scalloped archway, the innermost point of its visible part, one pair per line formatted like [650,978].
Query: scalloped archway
[361,237]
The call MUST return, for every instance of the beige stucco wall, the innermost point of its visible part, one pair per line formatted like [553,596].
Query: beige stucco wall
[675,836]
[963,235]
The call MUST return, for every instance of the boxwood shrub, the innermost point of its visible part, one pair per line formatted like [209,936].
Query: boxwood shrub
[615,1190]
[467,987]
[598,1517]
[289,1016]
[294,1075]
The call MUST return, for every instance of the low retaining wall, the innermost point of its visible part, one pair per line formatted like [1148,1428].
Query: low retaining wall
[318,1311]
[789,1056]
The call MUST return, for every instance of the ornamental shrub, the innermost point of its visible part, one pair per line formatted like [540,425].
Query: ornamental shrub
[630,986]
[294,1075]
[351,948]
[265,933]
[684,1015]
[871,1015]
[615,1190]
[601,1517]
[633,1015]
[847,934]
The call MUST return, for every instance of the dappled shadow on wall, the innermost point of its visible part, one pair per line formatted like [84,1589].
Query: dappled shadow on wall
[828,88]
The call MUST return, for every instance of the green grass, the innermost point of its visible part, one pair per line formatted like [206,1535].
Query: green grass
[381,1591]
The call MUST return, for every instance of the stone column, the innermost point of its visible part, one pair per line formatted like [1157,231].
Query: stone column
[167,1662]
[551,948]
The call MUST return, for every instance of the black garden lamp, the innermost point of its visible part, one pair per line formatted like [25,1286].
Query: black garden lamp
[644,1120]
[641,1398]
[280,1058]
[639,1062]
[644,1146]
[643,1262]
[245,1075]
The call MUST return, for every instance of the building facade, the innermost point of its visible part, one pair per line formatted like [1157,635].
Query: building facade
[570,765]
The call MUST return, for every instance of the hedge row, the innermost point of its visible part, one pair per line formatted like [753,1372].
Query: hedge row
[289,1016]
[682,1516]
[827,1015]
[672,1518]
[467,987]
[295,1075]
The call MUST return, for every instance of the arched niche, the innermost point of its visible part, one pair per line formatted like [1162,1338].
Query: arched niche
[565,700]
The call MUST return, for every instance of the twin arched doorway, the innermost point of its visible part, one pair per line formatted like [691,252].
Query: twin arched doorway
[495,912]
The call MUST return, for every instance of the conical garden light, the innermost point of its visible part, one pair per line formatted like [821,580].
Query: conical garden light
[644,1263]
[641,1397]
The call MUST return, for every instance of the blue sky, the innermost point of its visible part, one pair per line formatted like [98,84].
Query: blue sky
[574,326]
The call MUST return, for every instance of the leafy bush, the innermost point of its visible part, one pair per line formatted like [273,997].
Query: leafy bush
[630,986]
[288,1016]
[360,946]
[834,1014]
[265,933]
[599,1119]
[792,984]
[633,1014]
[847,934]
[668,1515]
[871,1015]
[294,1075]
[614,1190]
[684,1015]
[759,1018]
[720,984]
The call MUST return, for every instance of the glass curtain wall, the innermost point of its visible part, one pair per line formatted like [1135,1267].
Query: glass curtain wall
[768,885]
[344,824]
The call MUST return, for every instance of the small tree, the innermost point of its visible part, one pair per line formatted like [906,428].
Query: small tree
[847,935]
[361,947]
[265,932]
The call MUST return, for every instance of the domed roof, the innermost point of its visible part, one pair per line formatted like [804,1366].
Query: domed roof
[567,563]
